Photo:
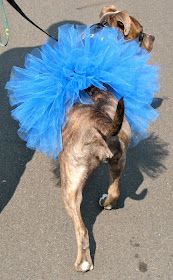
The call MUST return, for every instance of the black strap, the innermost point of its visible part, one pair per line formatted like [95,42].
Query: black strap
[18,9]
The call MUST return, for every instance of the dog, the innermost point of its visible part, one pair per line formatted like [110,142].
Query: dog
[93,134]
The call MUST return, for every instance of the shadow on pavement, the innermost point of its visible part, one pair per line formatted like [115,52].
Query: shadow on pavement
[13,153]
[147,157]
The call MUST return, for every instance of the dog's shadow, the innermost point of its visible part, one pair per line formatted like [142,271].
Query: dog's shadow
[13,152]
[148,157]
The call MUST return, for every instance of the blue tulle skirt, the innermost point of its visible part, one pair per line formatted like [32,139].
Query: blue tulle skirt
[55,76]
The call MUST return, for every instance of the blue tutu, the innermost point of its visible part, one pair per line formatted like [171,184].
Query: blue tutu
[55,76]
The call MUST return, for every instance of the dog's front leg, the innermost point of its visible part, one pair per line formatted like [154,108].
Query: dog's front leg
[73,179]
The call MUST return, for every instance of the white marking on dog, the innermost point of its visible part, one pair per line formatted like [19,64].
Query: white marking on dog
[85,266]
[101,200]
[108,207]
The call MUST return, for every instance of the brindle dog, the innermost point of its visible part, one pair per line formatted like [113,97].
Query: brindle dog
[93,134]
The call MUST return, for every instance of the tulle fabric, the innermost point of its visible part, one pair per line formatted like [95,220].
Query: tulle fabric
[55,76]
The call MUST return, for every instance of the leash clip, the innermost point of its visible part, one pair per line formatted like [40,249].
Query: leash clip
[4,38]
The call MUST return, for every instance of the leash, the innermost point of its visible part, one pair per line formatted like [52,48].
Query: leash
[4,37]
[19,10]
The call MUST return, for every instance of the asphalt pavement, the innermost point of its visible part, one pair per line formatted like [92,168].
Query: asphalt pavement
[37,238]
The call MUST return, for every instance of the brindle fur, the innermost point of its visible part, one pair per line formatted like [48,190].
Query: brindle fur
[93,134]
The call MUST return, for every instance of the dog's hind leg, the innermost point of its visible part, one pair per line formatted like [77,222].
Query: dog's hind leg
[108,201]
[116,166]
[72,185]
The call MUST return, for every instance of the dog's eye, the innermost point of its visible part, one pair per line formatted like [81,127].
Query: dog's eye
[141,36]
[120,24]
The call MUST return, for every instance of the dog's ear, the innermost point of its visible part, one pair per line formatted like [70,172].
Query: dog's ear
[107,9]
[124,18]
[118,19]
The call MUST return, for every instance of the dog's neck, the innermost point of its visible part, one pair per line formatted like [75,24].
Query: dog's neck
[95,93]
[103,99]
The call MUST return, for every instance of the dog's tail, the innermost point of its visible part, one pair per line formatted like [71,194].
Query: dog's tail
[105,125]
[118,118]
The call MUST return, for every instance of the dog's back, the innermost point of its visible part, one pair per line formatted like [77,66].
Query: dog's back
[90,127]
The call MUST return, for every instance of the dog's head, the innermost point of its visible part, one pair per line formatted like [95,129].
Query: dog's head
[128,25]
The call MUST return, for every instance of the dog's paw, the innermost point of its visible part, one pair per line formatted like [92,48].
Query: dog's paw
[102,200]
[84,266]
[109,154]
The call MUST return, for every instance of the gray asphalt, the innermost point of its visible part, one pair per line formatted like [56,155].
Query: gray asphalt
[37,237]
